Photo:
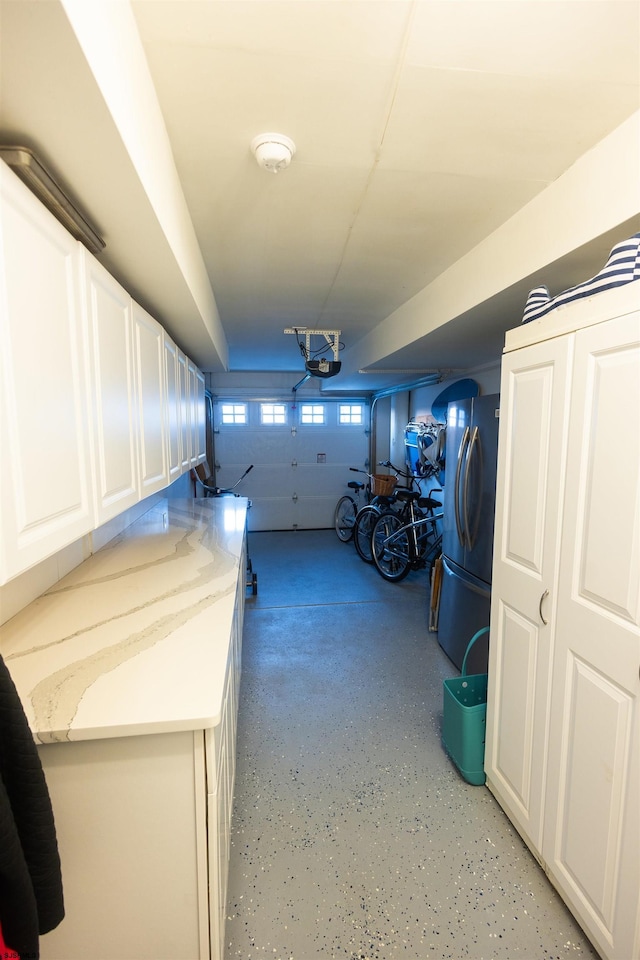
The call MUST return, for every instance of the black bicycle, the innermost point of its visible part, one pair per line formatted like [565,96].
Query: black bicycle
[408,539]
[386,490]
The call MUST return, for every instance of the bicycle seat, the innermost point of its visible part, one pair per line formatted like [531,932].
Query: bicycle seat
[403,493]
[429,503]
[355,485]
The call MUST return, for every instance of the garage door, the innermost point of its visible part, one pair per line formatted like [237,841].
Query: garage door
[301,454]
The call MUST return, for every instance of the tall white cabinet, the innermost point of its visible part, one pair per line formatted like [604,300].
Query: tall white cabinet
[563,714]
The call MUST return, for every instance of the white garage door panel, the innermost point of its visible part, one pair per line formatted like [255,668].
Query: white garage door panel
[237,446]
[268,514]
[299,471]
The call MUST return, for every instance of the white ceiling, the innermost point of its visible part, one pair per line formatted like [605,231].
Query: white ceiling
[420,128]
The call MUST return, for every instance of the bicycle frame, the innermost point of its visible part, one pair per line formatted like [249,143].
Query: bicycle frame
[406,541]
[415,540]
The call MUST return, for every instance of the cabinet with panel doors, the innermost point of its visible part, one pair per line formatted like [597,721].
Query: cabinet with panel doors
[96,414]
[46,495]
[563,713]
[111,372]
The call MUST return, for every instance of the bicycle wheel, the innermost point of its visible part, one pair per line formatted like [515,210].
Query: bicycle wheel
[365,520]
[344,518]
[390,547]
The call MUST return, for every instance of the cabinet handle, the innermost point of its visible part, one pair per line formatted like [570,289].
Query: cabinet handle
[542,599]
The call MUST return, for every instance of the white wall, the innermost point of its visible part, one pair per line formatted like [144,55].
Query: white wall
[108,35]
[22,590]
[488,380]
[597,194]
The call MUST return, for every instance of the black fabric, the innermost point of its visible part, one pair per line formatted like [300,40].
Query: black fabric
[31,899]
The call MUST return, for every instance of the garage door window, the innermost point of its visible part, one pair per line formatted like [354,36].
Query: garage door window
[312,413]
[352,413]
[273,413]
[234,413]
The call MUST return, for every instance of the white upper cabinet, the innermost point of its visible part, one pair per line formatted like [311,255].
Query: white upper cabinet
[173,409]
[108,311]
[197,418]
[201,418]
[46,490]
[99,408]
[185,412]
[192,387]
[151,393]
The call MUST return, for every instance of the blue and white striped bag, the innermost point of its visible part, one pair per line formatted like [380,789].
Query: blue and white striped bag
[622,267]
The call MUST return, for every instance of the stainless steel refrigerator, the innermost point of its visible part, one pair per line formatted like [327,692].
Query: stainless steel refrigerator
[467,536]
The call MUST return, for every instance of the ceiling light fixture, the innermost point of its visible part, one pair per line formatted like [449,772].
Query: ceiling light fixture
[273,151]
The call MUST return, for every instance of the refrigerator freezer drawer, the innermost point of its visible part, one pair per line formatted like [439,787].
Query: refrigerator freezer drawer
[465,604]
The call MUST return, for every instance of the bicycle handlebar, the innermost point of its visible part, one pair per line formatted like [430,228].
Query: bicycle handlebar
[396,470]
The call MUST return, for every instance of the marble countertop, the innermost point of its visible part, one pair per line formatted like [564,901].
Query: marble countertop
[136,639]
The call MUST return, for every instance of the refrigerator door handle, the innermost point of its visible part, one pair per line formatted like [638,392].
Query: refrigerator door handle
[471,531]
[456,486]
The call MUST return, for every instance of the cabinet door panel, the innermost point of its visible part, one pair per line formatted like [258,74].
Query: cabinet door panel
[173,424]
[594,753]
[46,490]
[185,412]
[108,309]
[515,698]
[192,390]
[150,366]
[532,439]
[201,418]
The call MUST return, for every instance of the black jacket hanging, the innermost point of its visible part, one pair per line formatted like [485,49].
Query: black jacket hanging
[31,900]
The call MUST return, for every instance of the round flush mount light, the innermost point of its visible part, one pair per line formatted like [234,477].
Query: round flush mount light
[273,151]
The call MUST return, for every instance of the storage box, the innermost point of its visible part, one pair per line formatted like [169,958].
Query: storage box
[464,718]
[414,435]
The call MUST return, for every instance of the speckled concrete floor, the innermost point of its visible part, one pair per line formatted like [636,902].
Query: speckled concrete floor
[353,834]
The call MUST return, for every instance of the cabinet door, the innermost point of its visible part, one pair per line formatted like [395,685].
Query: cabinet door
[151,390]
[201,418]
[192,385]
[114,420]
[174,430]
[531,455]
[46,496]
[591,843]
[185,412]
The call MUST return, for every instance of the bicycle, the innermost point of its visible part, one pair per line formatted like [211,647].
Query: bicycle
[383,501]
[407,540]
[344,516]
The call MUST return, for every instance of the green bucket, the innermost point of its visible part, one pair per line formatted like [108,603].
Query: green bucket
[464,719]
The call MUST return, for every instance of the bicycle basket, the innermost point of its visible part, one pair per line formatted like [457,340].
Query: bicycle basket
[382,484]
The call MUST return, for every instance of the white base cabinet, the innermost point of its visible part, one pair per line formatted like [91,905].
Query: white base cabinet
[131,820]
[143,828]
[129,674]
[563,714]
